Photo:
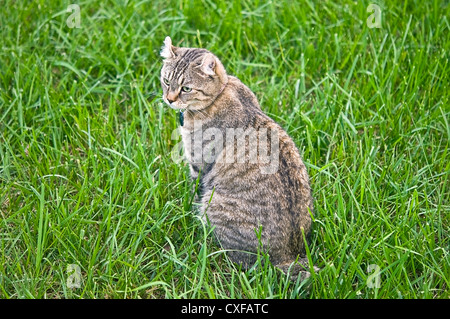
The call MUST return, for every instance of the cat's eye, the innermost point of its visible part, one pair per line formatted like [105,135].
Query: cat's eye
[166,81]
[186,89]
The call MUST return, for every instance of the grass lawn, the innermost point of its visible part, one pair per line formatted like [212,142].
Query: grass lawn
[87,181]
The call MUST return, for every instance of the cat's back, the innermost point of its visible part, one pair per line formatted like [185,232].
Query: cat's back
[241,112]
[274,194]
[243,93]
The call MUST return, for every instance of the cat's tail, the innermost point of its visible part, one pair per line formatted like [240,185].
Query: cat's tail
[299,268]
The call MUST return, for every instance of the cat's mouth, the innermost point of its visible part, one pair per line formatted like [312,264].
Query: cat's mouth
[181,108]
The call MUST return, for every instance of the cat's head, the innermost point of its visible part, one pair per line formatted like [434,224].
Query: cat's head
[191,78]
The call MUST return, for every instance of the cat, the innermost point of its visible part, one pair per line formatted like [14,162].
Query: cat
[252,181]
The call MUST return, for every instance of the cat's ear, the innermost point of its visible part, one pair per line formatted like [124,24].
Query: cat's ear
[211,66]
[167,51]
[208,65]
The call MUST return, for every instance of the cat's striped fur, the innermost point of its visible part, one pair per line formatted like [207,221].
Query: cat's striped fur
[239,196]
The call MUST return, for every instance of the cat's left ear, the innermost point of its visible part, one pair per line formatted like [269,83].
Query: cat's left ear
[211,66]
[167,51]
[208,65]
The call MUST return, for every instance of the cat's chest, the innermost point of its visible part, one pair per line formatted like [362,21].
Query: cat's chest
[201,143]
[192,144]
[186,135]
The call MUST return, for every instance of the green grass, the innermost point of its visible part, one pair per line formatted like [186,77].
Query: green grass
[86,176]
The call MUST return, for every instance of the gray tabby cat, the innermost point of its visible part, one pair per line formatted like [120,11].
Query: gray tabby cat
[242,190]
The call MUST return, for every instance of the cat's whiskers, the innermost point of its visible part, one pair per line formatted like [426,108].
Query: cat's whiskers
[202,113]
[193,113]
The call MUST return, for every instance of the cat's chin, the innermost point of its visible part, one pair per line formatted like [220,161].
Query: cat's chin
[177,108]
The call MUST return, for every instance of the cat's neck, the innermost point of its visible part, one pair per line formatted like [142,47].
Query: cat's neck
[207,113]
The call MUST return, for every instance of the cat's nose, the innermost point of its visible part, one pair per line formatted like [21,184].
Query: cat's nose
[171,98]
